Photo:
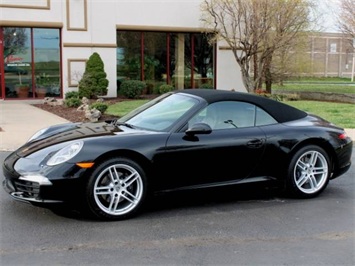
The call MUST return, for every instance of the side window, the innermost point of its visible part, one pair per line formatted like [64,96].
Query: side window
[244,114]
[226,115]
[263,118]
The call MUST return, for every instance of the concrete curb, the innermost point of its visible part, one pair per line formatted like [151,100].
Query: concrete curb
[351,133]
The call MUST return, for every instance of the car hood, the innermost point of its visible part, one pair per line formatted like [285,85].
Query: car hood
[73,131]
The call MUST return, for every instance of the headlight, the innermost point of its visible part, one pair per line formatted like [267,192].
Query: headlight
[37,134]
[65,153]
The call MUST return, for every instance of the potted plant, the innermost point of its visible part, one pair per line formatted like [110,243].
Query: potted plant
[43,82]
[22,88]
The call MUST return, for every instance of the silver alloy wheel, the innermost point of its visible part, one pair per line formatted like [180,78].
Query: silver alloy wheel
[311,172]
[118,189]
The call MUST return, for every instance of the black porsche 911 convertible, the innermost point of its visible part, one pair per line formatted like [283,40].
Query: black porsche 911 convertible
[182,140]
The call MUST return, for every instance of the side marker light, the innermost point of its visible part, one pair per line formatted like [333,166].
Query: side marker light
[85,165]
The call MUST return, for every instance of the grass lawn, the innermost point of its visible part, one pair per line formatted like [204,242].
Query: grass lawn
[318,80]
[122,108]
[334,88]
[317,84]
[341,114]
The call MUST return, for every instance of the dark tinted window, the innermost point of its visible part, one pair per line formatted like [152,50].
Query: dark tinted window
[231,114]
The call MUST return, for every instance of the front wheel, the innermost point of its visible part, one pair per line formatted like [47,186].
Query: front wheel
[308,172]
[116,189]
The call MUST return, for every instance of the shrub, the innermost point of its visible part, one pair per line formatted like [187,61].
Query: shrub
[276,97]
[165,88]
[102,107]
[94,82]
[72,102]
[132,88]
[72,94]
[157,86]
[150,86]
[292,97]
[206,86]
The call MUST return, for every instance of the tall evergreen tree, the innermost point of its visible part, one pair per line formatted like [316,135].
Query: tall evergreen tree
[94,82]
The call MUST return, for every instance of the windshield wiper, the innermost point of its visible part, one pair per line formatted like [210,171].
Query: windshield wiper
[124,124]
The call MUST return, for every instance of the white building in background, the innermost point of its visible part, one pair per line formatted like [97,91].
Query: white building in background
[44,45]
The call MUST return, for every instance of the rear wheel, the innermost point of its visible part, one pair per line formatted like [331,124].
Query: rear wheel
[116,189]
[308,173]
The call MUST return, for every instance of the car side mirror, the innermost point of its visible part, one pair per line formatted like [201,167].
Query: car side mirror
[198,128]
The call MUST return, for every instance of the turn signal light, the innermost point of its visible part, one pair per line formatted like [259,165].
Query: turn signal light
[85,165]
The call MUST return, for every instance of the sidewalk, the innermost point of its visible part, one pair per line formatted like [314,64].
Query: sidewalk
[20,120]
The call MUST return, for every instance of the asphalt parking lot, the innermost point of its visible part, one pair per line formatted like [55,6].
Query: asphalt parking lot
[241,227]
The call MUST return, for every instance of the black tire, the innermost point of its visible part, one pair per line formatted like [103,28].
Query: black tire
[308,172]
[116,189]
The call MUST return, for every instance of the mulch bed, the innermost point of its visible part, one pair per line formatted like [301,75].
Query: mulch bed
[69,113]
[73,115]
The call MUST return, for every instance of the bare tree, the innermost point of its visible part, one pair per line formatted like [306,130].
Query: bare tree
[346,21]
[347,17]
[291,19]
[14,41]
[255,29]
[291,61]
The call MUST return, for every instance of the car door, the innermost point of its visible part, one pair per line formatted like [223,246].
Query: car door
[227,154]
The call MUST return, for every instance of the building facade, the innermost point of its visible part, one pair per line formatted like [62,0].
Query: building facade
[331,55]
[44,45]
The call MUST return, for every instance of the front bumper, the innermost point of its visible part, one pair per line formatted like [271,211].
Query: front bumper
[29,189]
[42,185]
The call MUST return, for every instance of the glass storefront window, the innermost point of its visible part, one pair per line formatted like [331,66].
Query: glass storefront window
[17,62]
[184,60]
[202,62]
[47,62]
[180,56]
[128,56]
[31,72]
[155,70]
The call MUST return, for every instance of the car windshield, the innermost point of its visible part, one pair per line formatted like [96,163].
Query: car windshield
[161,113]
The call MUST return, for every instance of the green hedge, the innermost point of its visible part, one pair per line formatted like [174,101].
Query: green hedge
[102,107]
[132,88]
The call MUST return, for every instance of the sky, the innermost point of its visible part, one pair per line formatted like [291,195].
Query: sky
[328,10]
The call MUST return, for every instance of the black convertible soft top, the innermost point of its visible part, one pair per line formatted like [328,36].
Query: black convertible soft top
[278,110]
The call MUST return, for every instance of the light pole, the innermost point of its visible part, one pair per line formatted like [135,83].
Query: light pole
[353,69]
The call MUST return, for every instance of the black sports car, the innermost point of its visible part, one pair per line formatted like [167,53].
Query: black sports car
[183,140]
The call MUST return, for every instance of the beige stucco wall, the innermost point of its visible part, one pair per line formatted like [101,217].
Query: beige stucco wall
[90,26]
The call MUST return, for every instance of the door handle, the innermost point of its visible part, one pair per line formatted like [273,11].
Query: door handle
[255,143]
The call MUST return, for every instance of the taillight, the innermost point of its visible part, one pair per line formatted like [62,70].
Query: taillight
[342,136]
